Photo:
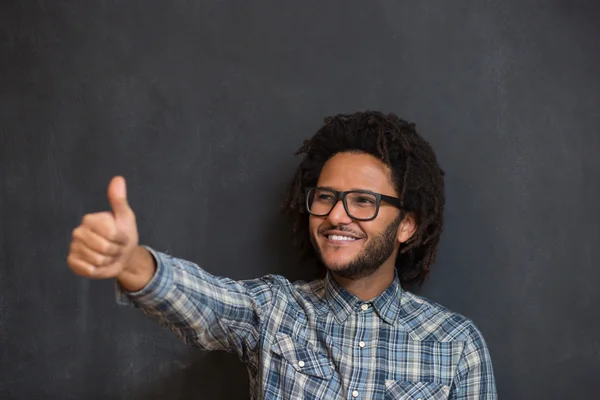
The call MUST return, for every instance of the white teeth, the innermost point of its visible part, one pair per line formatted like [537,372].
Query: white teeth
[337,237]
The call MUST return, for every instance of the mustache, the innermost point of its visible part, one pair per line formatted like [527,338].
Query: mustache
[341,228]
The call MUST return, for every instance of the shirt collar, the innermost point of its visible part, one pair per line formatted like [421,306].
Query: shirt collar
[342,303]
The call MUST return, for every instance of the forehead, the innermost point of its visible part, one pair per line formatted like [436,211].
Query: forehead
[346,171]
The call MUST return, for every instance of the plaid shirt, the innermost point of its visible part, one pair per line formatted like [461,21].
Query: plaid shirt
[317,341]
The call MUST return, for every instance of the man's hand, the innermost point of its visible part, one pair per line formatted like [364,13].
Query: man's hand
[105,245]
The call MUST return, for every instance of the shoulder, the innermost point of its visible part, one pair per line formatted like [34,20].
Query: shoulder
[305,297]
[310,290]
[428,320]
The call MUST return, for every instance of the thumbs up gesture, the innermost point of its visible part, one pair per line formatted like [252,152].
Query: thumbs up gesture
[103,245]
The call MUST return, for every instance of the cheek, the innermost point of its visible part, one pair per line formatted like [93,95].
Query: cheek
[313,224]
[373,229]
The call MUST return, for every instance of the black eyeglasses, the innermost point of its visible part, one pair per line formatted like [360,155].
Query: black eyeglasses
[361,205]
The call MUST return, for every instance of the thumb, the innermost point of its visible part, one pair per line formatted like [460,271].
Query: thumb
[117,196]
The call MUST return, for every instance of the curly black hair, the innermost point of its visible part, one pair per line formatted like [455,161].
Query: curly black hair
[417,177]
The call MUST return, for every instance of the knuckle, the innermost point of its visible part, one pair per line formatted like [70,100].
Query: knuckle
[76,267]
[78,247]
[72,252]
[73,260]
[87,219]
[98,259]
[105,248]
[76,234]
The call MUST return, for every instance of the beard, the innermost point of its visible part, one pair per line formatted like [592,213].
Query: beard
[377,251]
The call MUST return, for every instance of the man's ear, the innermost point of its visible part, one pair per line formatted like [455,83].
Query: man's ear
[407,228]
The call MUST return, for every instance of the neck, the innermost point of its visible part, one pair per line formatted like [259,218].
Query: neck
[368,287]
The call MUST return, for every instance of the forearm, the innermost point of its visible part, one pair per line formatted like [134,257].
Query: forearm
[202,309]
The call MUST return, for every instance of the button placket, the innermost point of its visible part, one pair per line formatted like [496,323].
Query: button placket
[361,344]
[363,307]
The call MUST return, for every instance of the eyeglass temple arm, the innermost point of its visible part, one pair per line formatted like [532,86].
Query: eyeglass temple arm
[392,200]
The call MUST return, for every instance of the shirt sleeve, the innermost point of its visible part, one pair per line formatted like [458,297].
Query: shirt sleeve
[206,311]
[475,375]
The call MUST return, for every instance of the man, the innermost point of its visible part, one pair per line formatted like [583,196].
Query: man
[368,200]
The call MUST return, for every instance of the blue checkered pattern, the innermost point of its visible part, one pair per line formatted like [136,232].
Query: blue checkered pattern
[316,341]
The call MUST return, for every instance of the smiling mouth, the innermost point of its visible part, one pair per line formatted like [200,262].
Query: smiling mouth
[340,238]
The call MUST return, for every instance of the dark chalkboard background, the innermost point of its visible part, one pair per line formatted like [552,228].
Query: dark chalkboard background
[200,105]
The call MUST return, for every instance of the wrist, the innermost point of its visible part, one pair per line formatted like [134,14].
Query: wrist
[138,270]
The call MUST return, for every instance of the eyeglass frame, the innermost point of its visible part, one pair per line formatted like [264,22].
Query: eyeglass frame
[341,195]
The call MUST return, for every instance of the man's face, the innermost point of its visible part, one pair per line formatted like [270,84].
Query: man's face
[372,243]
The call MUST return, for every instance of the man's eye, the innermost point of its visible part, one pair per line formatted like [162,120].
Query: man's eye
[365,200]
[325,197]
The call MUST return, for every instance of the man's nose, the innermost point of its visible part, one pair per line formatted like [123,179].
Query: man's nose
[338,215]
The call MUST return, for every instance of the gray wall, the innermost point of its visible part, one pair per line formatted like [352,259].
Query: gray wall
[200,105]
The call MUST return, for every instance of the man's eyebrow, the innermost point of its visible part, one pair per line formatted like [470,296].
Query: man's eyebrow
[327,187]
[331,188]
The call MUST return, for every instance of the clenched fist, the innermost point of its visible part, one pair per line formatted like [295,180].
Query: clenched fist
[105,245]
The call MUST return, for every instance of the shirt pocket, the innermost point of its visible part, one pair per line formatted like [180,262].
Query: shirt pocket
[302,356]
[405,390]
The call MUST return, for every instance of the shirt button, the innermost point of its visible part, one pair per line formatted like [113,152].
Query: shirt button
[362,344]
[355,393]
[301,364]
[365,307]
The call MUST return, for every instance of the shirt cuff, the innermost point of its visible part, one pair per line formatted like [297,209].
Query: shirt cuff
[151,294]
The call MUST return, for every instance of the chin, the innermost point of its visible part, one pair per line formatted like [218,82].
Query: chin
[349,271]
[337,265]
